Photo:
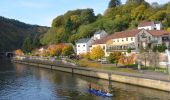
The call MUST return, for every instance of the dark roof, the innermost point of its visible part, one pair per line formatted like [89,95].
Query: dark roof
[83,40]
[98,32]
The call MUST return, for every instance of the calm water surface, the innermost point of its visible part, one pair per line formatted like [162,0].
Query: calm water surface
[23,82]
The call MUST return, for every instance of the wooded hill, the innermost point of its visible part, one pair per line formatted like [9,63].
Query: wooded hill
[13,33]
[82,23]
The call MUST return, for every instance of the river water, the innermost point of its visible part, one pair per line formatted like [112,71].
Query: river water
[23,82]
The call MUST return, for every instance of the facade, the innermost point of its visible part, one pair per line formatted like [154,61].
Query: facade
[133,39]
[136,39]
[84,45]
[150,25]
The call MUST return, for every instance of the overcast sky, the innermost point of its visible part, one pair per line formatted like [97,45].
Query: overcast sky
[42,12]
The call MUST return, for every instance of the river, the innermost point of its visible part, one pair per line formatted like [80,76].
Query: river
[24,82]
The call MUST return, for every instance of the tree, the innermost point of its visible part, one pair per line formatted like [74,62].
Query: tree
[110,58]
[162,48]
[97,53]
[36,43]
[127,60]
[114,3]
[58,21]
[87,16]
[135,1]
[129,50]
[114,57]
[18,52]
[67,51]
[27,45]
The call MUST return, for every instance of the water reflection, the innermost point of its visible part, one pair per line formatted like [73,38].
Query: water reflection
[23,82]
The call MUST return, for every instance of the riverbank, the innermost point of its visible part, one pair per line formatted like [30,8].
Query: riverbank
[150,81]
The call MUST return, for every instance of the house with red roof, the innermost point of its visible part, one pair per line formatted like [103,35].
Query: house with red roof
[150,25]
[133,39]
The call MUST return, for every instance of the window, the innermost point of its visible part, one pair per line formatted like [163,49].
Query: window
[132,39]
[103,47]
[122,40]
[126,39]
[84,45]
[117,40]
[149,38]
[78,45]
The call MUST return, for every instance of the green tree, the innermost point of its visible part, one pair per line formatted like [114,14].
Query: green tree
[87,16]
[114,57]
[114,3]
[58,21]
[135,1]
[161,48]
[110,58]
[67,51]
[27,45]
[36,43]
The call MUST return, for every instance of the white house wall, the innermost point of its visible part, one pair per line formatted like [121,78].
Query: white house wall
[81,48]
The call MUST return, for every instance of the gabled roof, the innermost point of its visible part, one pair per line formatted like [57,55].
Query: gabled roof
[124,34]
[145,23]
[158,32]
[103,40]
[83,40]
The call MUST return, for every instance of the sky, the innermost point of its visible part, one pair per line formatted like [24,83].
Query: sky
[42,12]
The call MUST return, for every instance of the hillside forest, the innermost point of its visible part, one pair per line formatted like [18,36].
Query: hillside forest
[82,23]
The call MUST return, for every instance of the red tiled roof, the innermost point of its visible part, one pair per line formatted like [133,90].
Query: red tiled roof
[103,40]
[123,34]
[144,23]
[130,33]
[158,32]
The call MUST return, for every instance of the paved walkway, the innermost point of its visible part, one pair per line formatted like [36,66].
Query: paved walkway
[143,74]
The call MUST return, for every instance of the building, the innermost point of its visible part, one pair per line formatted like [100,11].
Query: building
[136,39]
[99,35]
[133,39]
[84,45]
[102,43]
[150,25]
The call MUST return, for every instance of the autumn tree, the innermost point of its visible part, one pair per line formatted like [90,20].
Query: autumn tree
[127,60]
[18,52]
[97,53]
[114,57]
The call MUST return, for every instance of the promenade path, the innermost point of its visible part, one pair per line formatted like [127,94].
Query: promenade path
[141,74]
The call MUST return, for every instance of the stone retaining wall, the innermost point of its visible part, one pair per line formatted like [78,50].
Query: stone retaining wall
[139,81]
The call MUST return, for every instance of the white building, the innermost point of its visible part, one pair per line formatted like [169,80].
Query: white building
[99,35]
[83,45]
[150,25]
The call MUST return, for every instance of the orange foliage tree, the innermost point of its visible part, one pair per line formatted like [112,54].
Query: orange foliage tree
[56,50]
[127,60]
[18,52]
